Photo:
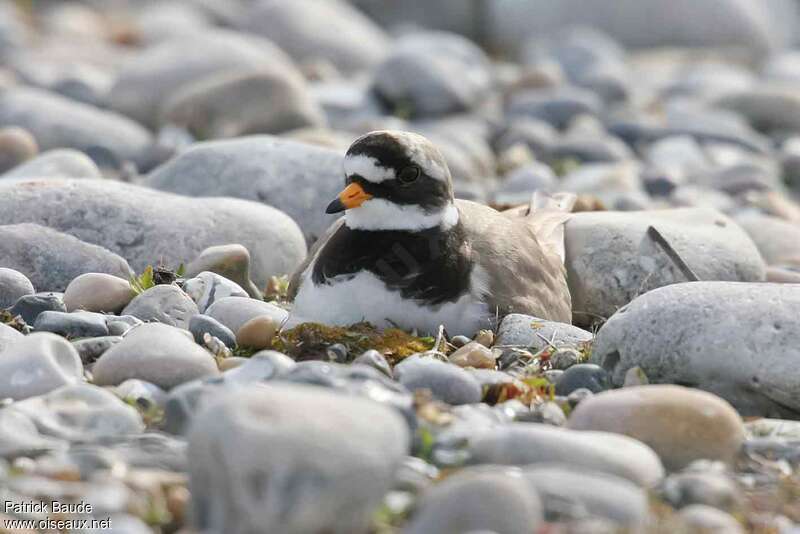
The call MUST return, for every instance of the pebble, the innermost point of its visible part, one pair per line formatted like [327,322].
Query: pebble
[142,393]
[166,304]
[21,438]
[16,146]
[569,492]
[534,443]
[709,427]
[692,334]
[447,382]
[557,106]
[232,262]
[13,285]
[257,333]
[98,292]
[201,324]
[583,376]
[478,500]
[234,312]
[475,355]
[519,330]
[57,163]
[705,519]
[708,486]
[611,259]
[91,349]
[71,325]
[36,364]
[30,306]
[243,440]
[151,228]
[777,240]
[207,287]
[376,360]
[52,259]
[81,413]
[157,353]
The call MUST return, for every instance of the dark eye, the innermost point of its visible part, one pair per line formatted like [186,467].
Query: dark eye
[409,174]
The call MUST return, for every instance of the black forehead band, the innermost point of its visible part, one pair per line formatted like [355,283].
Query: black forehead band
[384,148]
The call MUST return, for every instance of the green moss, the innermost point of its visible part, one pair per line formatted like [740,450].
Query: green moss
[309,341]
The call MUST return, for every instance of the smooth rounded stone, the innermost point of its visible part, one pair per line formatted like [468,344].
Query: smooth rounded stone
[319,31]
[709,487]
[611,258]
[50,258]
[8,336]
[200,324]
[447,382]
[163,303]
[30,306]
[208,287]
[234,312]
[767,107]
[157,73]
[254,448]
[141,392]
[583,376]
[473,354]
[709,428]
[257,333]
[156,353]
[535,134]
[608,182]
[164,20]
[38,363]
[692,334]
[261,366]
[569,492]
[16,146]
[231,104]
[495,500]
[589,149]
[294,177]
[58,122]
[680,152]
[91,349]
[709,520]
[376,360]
[19,437]
[184,401]
[433,73]
[98,292]
[119,325]
[777,240]
[578,50]
[56,163]
[557,106]
[13,285]
[518,186]
[82,413]
[535,443]
[519,330]
[71,325]
[229,261]
[564,359]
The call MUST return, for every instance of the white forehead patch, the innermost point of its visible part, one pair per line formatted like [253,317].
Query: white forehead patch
[368,168]
[422,152]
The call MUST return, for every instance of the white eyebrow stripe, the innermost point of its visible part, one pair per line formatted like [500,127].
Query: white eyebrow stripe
[368,168]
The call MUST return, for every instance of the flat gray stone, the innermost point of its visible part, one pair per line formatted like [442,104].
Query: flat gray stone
[447,382]
[703,335]
[56,163]
[36,364]
[72,325]
[52,259]
[276,455]
[163,303]
[298,178]
[233,312]
[146,227]
[521,330]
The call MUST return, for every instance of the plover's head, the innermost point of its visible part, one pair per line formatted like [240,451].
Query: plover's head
[395,181]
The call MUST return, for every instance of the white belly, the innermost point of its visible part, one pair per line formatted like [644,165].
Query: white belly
[365,298]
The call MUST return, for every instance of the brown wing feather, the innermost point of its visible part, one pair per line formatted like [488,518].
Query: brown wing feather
[294,281]
[524,276]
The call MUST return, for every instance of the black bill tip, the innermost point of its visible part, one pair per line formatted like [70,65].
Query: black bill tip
[335,207]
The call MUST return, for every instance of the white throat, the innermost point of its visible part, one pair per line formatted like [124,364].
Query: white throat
[379,214]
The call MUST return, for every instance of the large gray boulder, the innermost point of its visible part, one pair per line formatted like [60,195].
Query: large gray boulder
[300,459]
[52,259]
[739,341]
[59,122]
[157,73]
[611,258]
[146,226]
[319,31]
[299,179]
